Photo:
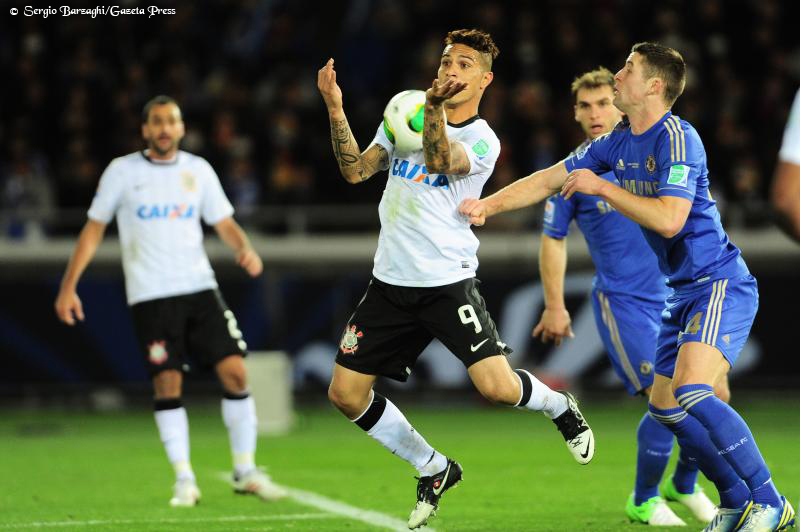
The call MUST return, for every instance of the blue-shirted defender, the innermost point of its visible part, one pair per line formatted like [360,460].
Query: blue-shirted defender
[660,164]
[628,294]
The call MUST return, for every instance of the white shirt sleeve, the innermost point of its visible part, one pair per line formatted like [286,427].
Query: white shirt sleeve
[383,140]
[790,150]
[109,192]
[215,206]
[483,148]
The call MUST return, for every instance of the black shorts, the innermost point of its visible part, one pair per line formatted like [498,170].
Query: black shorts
[392,325]
[174,331]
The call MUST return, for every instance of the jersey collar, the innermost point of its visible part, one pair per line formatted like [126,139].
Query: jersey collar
[654,128]
[174,160]
[465,123]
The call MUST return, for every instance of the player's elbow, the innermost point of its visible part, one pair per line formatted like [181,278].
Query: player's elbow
[352,177]
[671,229]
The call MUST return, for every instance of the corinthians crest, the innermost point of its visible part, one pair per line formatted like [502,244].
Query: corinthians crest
[157,352]
[349,343]
[650,163]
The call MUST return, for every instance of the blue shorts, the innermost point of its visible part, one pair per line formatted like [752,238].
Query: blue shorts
[718,313]
[629,328]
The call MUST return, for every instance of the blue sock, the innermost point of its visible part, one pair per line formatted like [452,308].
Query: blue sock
[654,447]
[685,476]
[693,437]
[732,439]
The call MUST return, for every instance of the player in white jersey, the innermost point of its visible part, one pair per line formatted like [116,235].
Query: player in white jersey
[786,187]
[158,197]
[424,284]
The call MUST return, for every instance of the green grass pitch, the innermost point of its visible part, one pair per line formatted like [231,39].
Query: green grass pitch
[70,471]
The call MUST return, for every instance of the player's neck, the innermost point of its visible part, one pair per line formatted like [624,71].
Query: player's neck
[168,157]
[461,112]
[644,118]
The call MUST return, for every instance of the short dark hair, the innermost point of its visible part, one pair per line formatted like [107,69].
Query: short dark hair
[593,79]
[666,63]
[477,40]
[161,99]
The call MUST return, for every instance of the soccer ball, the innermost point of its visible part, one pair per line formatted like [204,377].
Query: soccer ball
[403,120]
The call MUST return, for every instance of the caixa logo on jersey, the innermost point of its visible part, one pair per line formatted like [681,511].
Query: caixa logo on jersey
[170,212]
[418,173]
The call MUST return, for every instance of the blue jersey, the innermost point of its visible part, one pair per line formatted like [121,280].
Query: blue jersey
[624,263]
[669,160]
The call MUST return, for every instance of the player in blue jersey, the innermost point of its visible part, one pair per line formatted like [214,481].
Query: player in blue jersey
[660,163]
[628,296]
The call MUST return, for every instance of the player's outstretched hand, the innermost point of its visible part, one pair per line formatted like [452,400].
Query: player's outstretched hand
[440,92]
[68,307]
[474,209]
[554,325]
[250,261]
[326,83]
[582,180]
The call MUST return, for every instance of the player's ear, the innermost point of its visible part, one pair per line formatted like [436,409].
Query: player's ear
[144,131]
[487,79]
[575,109]
[655,86]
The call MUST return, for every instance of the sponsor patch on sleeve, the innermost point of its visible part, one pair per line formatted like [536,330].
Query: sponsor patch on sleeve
[678,175]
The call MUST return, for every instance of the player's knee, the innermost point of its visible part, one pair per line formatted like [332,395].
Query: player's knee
[495,392]
[167,384]
[232,374]
[723,393]
[235,380]
[345,400]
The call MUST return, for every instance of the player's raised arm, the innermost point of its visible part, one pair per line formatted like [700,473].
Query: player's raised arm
[441,155]
[521,193]
[354,165]
[235,238]
[68,304]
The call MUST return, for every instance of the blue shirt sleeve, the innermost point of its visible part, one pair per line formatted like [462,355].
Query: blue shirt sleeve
[594,157]
[558,213]
[679,160]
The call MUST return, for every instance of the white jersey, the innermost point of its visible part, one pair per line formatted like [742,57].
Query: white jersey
[790,150]
[424,241]
[158,206]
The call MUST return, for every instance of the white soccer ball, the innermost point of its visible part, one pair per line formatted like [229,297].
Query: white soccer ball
[403,120]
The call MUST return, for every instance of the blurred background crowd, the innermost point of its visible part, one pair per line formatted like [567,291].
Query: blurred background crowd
[245,76]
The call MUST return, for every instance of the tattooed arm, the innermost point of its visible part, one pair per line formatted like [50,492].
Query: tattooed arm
[441,155]
[354,165]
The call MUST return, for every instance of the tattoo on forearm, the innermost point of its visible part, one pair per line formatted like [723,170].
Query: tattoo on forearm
[434,141]
[350,160]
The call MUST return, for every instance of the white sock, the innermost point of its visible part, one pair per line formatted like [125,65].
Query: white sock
[173,427]
[239,416]
[542,399]
[395,433]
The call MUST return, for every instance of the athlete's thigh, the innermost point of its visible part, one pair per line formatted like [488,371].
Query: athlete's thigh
[722,315]
[383,336]
[629,329]
[160,326]
[213,331]
[456,314]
